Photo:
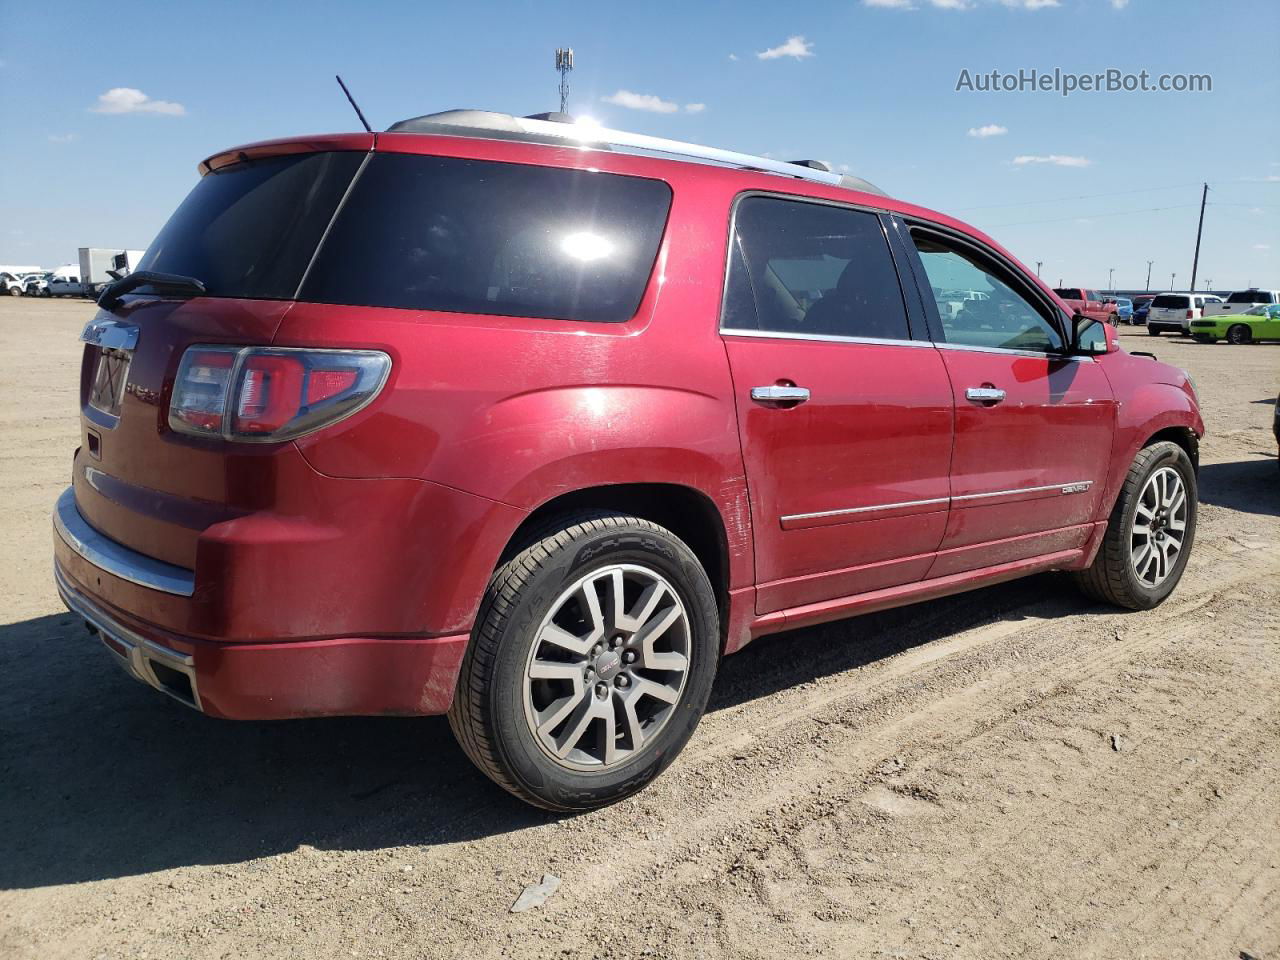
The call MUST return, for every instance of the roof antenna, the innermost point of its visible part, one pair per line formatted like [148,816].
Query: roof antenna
[354,106]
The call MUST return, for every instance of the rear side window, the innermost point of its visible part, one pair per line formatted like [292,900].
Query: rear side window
[1171,303]
[1250,296]
[250,230]
[806,268]
[471,236]
[1068,293]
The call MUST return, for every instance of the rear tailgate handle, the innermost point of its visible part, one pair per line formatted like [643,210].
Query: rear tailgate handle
[984,394]
[778,393]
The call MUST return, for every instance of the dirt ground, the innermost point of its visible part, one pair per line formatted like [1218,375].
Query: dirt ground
[1011,773]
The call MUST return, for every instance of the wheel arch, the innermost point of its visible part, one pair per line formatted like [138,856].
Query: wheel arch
[686,511]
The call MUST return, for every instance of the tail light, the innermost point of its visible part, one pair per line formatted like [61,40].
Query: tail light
[261,394]
[1190,314]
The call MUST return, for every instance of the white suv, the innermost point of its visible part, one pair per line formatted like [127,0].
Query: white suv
[1175,311]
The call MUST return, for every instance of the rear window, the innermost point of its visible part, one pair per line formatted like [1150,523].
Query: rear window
[1068,293]
[1250,296]
[250,230]
[1173,303]
[470,236]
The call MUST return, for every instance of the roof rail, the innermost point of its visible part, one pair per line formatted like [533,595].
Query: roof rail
[504,126]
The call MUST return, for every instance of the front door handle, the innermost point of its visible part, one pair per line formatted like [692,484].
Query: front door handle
[776,393]
[984,394]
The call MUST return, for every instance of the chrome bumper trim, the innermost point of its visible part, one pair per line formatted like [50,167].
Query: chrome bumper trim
[134,652]
[115,558]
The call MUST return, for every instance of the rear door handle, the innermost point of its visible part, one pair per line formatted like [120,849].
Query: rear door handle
[777,393]
[984,394]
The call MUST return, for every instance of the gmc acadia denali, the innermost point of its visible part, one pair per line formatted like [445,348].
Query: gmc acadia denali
[532,423]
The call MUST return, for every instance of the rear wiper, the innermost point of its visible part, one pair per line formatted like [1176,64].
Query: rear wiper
[164,283]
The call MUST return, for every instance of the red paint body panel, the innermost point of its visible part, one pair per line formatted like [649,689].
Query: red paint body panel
[342,572]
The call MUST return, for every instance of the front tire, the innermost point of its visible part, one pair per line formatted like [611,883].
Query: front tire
[590,664]
[1205,338]
[1238,333]
[1150,532]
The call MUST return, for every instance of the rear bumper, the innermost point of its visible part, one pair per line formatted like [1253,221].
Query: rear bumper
[343,676]
[112,588]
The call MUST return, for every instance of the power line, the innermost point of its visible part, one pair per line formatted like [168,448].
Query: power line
[1094,216]
[1087,196]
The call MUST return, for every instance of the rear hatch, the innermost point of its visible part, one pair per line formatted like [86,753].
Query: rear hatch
[1169,308]
[248,232]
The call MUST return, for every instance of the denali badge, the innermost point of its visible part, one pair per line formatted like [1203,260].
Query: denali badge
[1077,487]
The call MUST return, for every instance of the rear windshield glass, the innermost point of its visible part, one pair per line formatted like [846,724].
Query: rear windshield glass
[470,236]
[1068,293]
[250,230]
[1176,303]
[1249,296]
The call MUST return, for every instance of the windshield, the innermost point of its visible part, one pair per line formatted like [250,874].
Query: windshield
[1171,302]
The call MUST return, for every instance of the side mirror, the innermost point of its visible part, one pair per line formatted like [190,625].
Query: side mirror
[1088,336]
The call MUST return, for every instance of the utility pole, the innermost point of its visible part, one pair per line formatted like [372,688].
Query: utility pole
[564,63]
[1171,278]
[1039,264]
[1149,263]
[1195,264]
[1111,274]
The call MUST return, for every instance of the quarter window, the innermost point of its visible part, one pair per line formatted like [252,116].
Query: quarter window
[806,268]
[977,307]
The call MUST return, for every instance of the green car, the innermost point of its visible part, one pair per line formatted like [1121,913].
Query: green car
[1260,323]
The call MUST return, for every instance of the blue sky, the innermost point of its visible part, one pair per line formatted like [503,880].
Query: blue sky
[1104,180]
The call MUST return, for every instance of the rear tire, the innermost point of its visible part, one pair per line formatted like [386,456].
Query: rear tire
[1137,566]
[570,698]
[1238,333]
[1153,331]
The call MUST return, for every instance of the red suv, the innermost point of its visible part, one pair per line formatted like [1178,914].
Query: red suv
[530,424]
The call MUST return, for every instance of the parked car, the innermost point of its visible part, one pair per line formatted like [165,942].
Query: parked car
[1175,311]
[1142,304]
[12,286]
[1275,427]
[65,286]
[1242,301]
[1090,303]
[1124,309]
[1260,323]
[320,472]
[36,284]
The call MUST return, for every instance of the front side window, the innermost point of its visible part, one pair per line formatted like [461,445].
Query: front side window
[977,307]
[803,268]
[505,239]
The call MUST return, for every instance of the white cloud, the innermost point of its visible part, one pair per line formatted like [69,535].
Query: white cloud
[1119,4]
[796,47]
[694,107]
[990,130]
[1055,159]
[1030,4]
[733,56]
[891,4]
[130,100]
[1262,246]
[63,137]
[951,4]
[641,101]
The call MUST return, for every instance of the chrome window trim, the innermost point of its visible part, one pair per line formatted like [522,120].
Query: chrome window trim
[115,558]
[822,338]
[1013,352]
[1077,486]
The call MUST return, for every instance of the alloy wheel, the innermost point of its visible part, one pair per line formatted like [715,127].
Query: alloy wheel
[1159,527]
[607,667]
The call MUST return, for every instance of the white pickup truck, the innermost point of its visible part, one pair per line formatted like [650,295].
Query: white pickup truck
[1242,301]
